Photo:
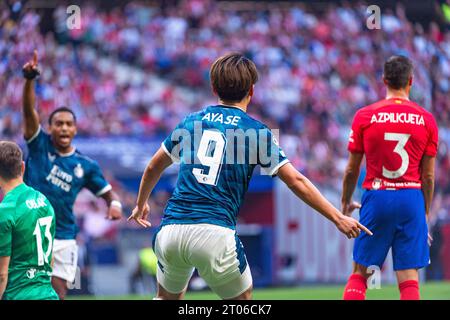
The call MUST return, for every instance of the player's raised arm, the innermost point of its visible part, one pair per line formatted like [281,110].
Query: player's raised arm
[152,174]
[306,191]
[30,116]
[349,183]
[4,264]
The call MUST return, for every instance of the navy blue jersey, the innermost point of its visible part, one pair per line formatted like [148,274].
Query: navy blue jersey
[218,149]
[60,177]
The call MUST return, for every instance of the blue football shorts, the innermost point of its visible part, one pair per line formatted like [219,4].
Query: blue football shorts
[397,220]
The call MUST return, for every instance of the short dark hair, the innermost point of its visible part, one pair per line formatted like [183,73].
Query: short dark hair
[10,160]
[232,76]
[61,109]
[397,72]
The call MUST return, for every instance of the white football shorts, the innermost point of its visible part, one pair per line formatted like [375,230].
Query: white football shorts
[215,251]
[65,259]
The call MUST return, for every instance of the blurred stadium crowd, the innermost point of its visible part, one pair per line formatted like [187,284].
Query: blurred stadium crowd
[316,70]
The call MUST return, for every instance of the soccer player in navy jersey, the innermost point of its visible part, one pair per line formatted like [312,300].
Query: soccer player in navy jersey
[218,149]
[399,139]
[55,168]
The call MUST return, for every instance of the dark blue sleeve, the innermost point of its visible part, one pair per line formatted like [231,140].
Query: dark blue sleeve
[270,155]
[38,142]
[96,182]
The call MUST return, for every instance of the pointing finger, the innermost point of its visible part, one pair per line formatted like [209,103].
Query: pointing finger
[363,228]
[35,58]
[143,223]
[140,223]
[147,223]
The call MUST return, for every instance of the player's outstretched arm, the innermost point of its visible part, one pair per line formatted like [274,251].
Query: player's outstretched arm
[30,116]
[427,169]
[152,174]
[351,176]
[4,264]
[306,191]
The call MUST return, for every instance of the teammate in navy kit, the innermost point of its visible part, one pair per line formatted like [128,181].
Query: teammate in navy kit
[59,171]
[218,149]
[399,139]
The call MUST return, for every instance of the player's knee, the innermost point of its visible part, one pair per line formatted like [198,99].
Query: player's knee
[163,294]
[406,275]
[59,285]
[169,296]
[246,295]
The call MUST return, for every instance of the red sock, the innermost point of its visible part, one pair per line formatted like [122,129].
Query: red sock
[356,288]
[409,290]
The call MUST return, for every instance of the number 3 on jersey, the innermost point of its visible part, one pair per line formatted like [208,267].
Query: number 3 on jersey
[47,223]
[402,139]
[210,153]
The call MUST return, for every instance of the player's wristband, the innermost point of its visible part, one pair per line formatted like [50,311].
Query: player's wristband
[30,74]
[116,203]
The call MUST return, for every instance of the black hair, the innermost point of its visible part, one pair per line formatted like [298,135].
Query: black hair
[397,72]
[61,109]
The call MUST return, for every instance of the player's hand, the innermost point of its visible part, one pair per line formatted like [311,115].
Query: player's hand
[114,213]
[351,227]
[430,238]
[140,216]
[30,69]
[348,208]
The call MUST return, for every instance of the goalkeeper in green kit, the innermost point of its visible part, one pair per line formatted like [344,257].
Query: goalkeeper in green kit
[27,230]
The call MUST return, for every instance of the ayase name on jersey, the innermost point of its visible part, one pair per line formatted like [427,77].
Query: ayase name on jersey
[218,117]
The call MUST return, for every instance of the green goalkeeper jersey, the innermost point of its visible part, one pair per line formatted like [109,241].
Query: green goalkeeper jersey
[27,230]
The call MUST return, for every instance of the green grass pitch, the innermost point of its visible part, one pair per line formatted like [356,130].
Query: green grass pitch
[428,291]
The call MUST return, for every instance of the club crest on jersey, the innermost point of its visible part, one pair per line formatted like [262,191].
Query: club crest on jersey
[51,157]
[376,184]
[78,171]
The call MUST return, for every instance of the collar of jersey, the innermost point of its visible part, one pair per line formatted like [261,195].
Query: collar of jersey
[397,98]
[68,154]
[227,106]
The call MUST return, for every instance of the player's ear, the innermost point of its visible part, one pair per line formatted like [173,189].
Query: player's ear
[410,81]
[251,91]
[385,81]
[49,126]
[22,170]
